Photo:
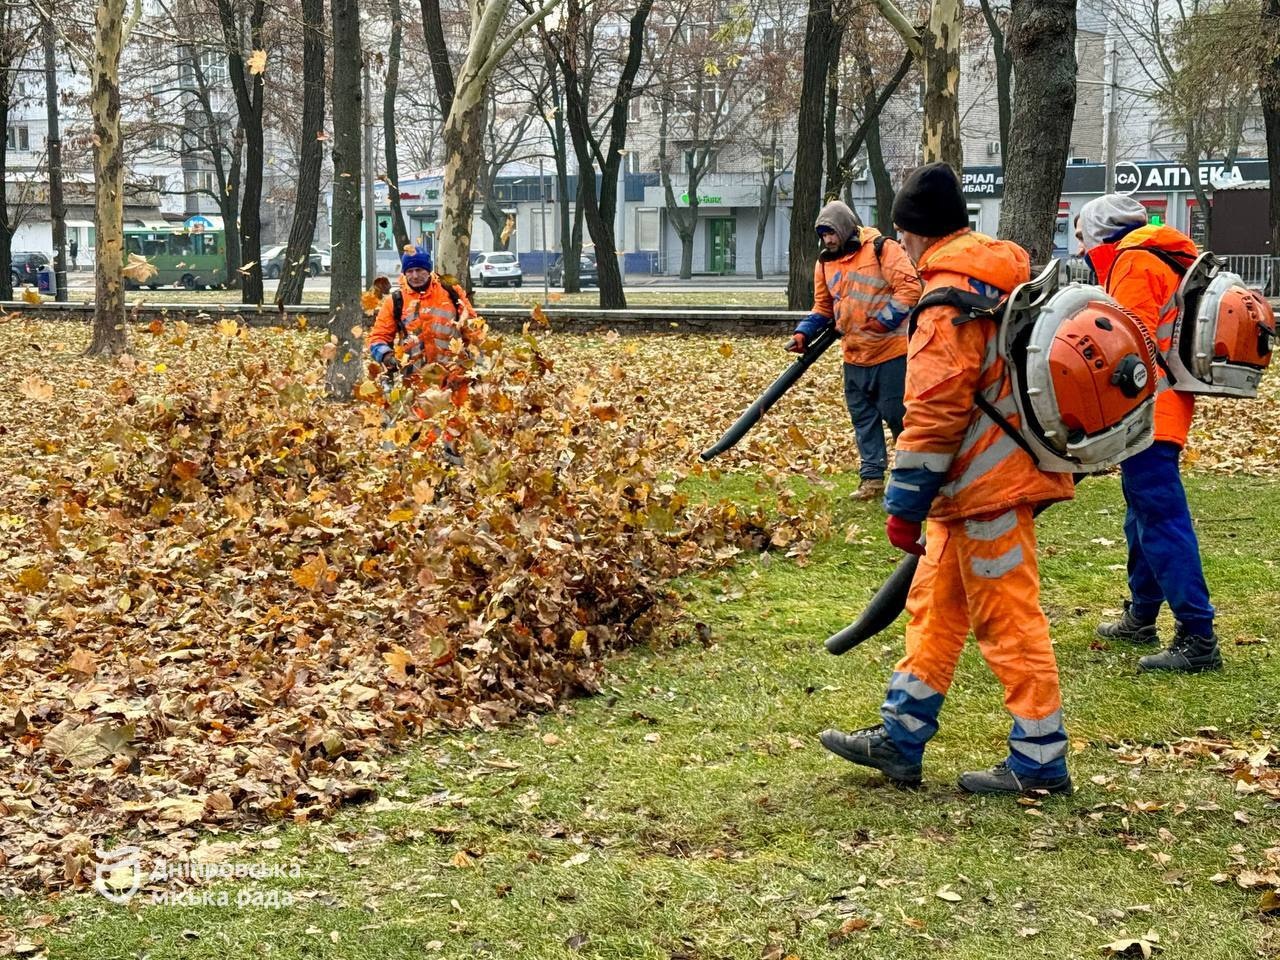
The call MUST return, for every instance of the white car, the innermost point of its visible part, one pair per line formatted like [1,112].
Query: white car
[499,267]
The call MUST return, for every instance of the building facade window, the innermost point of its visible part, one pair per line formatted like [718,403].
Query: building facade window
[646,221]
[20,138]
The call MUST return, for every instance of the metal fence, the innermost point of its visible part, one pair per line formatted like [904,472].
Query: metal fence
[1259,271]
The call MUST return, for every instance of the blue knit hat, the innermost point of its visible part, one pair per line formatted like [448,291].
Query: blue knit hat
[419,257]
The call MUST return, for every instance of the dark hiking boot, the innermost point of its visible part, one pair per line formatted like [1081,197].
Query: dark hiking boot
[1000,779]
[1186,653]
[1129,628]
[872,748]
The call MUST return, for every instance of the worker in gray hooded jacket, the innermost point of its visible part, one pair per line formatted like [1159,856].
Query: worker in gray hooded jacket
[864,283]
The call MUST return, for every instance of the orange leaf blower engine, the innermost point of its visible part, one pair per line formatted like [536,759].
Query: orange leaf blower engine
[1223,333]
[1083,372]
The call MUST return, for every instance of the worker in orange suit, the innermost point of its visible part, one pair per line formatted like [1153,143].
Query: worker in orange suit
[865,283]
[957,472]
[1141,265]
[427,318]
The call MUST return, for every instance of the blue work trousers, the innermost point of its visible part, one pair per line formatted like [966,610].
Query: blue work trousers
[1164,554]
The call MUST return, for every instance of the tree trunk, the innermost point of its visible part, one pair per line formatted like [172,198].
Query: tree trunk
[7,58]
[345,365]
[463,148]
[807,183]
[228,206]
[1042,42]
[685,221]
[569,252]
[574,250]
[109,336]
[53,150]
[879,171]
[599,212]
[438,54]
[1269,91]
[941,136]
[389,128]
[1004,74]
[768,197]
[248,88]
[1191,160]
[297,257]
[836,178]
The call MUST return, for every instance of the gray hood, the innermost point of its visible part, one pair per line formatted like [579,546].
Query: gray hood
[839,218]
[1102,218]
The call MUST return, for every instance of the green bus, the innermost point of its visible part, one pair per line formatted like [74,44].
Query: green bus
[192,256]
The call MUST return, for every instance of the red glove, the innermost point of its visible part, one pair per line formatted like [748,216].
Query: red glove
[904,534]
[797,343]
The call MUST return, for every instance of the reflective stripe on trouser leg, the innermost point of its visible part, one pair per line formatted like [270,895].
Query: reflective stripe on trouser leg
[1039,746]
[1002,589]
[910,714]
[935,639]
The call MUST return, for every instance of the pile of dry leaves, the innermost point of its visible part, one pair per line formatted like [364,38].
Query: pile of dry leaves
[224,597]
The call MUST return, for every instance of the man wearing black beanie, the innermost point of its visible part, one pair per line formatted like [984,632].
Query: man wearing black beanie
[977,488]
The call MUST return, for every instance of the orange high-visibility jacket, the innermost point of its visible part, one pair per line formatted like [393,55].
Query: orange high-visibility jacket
[952,461]
[868,298]
[1145,285]
[429,319]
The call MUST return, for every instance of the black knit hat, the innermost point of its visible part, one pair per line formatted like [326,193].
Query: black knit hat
[931,202]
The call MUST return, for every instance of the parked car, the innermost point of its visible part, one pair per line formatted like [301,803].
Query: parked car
[24,266]
[498,267]
[326,259]
[588,271]
[273,262]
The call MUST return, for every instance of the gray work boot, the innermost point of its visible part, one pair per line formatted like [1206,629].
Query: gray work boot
[1000,779]
[872,747]
[868,490]
[1129,628]
[1186,653]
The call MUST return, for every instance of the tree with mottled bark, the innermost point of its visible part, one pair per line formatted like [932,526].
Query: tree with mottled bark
[1042,43]
[937,48]
[109,337]
[600,150]
[806,193]
[346,315]
[490,40]
[248,86]
[297,256]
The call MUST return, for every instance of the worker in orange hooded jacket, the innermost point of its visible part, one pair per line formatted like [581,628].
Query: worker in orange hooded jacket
[866,285]
[978,490]
[432,330]
[1141,265]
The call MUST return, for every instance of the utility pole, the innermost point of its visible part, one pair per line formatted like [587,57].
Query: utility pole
[542,205]
[370,228]
[53,144]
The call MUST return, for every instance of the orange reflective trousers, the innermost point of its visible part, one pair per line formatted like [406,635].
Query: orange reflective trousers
[981,574]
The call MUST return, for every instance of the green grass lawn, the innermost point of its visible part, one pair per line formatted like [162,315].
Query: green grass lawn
[687,811]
